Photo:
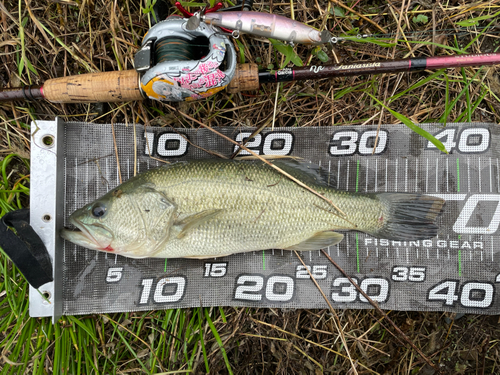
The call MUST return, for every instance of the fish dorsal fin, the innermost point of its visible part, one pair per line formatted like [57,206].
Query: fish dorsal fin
[193,221]
[308,173]
[319,241]
[156,210]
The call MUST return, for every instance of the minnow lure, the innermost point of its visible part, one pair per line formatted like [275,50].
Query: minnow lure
[268,26]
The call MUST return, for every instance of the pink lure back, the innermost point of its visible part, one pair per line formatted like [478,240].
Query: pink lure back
[268,26]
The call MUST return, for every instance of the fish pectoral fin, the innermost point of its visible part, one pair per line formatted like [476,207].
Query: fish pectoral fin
[318,241]
[193,221]
[209,257]
[156,211]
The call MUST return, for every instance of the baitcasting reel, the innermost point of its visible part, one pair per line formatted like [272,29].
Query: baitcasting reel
[177,64]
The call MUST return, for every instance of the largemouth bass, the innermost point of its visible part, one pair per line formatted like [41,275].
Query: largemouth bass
[214,208]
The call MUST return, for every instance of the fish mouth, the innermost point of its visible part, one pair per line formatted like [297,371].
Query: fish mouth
[80,235]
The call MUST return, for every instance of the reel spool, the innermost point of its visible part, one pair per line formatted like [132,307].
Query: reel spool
[177,64]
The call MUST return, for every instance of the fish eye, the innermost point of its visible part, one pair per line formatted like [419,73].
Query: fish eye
[98,210]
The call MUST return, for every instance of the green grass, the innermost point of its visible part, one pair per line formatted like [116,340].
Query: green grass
[150,343]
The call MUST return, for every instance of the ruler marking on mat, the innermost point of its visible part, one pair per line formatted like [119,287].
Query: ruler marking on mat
[86,196]
[406,175]
[76,199]
[357,175]
[338,174]
[106,169]
[491,182]
[427,176]
[65,184]
[479,171]
[437,175]
[86,182]
[468,175]
[357,252]
[396,176]
[416,175]
[447,177]
[329,171]
[97,180]
[386,169]
[366,177]
[459,262]
[64,207]
[347,175]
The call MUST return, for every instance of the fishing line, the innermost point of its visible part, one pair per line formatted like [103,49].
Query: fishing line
[359,38]
[175,48]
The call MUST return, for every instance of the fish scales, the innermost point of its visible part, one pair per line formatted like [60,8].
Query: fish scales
[261,208]
[214,208]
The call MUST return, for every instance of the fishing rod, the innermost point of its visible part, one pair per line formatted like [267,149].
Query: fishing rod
[191,58]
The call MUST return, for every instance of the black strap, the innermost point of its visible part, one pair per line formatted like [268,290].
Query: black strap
[25,249]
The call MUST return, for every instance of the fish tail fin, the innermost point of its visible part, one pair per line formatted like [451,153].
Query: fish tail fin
[408,216]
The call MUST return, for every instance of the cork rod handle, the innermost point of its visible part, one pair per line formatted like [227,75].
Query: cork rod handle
[119,86]
[246,78]
[123,86]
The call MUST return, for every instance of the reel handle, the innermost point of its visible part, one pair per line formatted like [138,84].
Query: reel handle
[119,86]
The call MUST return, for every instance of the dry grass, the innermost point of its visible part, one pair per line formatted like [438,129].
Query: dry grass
[67,37]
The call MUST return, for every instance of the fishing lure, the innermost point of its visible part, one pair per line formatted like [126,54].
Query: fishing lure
[268,26]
